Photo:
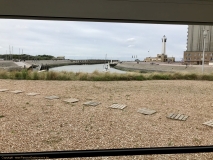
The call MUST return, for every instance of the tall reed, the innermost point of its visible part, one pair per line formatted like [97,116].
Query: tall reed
[101,76]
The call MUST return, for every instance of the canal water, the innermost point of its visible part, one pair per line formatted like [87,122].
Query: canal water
[85,68]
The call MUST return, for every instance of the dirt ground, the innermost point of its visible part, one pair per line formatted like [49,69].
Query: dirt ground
[33,123]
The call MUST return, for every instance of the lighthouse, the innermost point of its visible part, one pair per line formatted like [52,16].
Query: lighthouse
[164,45]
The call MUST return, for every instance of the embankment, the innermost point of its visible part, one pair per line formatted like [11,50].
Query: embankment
[58,63]
[10,65]
[144,67]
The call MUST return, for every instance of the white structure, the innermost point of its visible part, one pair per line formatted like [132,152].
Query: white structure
[164,45]
[106,65]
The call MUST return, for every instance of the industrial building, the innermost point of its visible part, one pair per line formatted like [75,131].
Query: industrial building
[195,43]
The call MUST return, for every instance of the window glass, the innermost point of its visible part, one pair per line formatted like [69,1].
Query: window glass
[95,90]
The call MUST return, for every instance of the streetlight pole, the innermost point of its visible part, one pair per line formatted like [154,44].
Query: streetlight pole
[204,37]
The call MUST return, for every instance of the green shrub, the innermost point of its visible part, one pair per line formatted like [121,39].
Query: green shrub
[18,75]
[177,76]
[51,75]
[207,77]
[35,76]
[24,74]
[82,76]
[160,77]
[4,75]
[191,77]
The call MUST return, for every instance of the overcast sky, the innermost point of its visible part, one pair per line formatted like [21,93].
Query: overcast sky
[83,40]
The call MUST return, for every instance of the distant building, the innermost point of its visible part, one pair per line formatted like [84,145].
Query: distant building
[161,57]
[59,58]
[194,52]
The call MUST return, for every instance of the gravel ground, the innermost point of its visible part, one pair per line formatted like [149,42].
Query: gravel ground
[33,123]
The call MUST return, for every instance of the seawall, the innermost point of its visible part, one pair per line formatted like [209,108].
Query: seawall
[145,67]
[58,63]
[11,65]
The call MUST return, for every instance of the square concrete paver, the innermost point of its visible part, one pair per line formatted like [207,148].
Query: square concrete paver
[177,116]
[209,123]
[71,100]
[52,97]
[118,106]
[3,90]
[17,91]
[32,94]
[91,103]
[146,111]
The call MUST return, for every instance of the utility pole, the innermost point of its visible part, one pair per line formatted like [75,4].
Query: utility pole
[12,52]
[205,32]
[22,54]
[9,52]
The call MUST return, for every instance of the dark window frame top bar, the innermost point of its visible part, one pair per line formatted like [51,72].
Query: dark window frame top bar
[133,11]
[103,20]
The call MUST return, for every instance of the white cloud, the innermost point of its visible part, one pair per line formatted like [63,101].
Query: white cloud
[21,27]
[131,45]
[130,40]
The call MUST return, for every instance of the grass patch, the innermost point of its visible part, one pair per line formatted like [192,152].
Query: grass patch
[4,74]
[100,76]
[160,77]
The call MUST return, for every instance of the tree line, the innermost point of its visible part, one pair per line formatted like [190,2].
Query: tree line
[25,57]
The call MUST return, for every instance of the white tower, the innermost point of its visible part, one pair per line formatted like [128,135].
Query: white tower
[164,45]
